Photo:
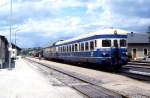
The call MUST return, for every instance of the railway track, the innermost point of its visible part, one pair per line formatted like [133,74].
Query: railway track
[139,71]
[81,83]
[142,63]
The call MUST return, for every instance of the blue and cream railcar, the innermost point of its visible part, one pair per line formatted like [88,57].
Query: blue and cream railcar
[107,47]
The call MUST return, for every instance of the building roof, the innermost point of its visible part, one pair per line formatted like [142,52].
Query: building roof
[138,38]
[4,39]
[15,46]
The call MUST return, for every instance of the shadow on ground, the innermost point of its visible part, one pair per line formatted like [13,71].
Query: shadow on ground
[6,65]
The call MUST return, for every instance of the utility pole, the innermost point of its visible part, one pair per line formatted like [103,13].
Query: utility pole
[10,30]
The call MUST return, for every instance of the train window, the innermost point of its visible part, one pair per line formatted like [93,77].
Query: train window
[106,43]
[86,46]
[82,46]
[115,43]
[76,47]
[91,45]
[95,43]
[68,48]
[63,48]
[60,49]
[79,46]
[123,43]
[72,48]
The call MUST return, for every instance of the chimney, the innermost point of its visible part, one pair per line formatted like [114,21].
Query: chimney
[132,34]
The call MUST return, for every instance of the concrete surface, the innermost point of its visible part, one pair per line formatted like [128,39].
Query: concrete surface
[24,81]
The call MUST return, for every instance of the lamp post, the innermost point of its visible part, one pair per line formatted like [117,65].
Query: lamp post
[10,29]
[16,42]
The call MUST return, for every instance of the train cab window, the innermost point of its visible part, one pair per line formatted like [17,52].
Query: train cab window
[76,47]
[87,46]
[123,43]
[91,45]
[106,43]
[82,46]
[115,43]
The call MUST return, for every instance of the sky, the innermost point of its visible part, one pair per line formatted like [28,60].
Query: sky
[38,23]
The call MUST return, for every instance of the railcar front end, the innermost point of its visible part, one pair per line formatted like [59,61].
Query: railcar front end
[112,51]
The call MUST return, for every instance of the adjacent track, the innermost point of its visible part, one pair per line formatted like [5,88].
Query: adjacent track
[139,71]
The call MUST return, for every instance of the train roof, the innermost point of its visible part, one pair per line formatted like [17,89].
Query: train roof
[101,32]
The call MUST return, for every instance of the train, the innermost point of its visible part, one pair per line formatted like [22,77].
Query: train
[105,48]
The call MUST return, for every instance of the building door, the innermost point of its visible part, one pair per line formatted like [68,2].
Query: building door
[134,51]
[145,52]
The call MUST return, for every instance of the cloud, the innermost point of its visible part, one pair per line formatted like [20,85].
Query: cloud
[45,21]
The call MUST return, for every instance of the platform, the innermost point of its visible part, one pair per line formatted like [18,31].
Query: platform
[25,81]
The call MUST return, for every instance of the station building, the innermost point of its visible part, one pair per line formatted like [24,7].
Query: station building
[138,45]
[4,54]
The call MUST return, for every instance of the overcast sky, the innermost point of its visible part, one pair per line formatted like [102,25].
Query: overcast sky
[39,22]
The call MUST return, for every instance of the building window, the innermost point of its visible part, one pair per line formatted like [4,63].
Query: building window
[134,51]
[123,43]
[91,45]
[106,43]
[86,46]
[145,52]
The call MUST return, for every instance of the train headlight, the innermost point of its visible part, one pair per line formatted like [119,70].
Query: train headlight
[104,53]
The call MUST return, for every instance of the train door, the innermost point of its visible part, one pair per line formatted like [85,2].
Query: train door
[134,55]
[116,55]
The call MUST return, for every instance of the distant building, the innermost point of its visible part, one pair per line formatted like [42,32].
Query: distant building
[138,45]
[15,50]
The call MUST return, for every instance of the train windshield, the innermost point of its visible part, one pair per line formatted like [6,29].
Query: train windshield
[123,43]
[106,43]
